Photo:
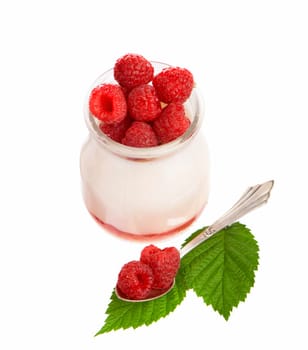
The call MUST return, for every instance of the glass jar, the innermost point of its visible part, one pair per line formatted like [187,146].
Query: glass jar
[145,192]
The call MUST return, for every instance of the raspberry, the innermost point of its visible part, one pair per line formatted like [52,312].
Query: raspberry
[135,280]
[148,252]
[173,84]
[140,134]
[143,104]
[132,70]
[171,123]
[164,264]
[107,103]
[116,131]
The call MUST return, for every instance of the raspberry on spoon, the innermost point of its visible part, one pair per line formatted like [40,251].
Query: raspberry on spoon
[135,280]
[164,264]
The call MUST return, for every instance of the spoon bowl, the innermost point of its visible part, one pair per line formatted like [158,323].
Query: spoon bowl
[154,294]
[252,198]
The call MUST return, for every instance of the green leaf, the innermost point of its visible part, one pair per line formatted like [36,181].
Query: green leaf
[123,314]
[221,270]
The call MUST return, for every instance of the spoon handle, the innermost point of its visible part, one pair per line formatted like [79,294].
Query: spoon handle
[251,199]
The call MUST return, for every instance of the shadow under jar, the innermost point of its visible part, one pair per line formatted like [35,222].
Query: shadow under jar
[146,193]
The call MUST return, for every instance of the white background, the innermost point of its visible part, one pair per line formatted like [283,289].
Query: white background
[57,266]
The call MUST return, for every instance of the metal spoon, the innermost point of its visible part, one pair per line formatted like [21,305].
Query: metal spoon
[251,199]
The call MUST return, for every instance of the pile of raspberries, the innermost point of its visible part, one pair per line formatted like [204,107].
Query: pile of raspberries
[149,276]
[142,110]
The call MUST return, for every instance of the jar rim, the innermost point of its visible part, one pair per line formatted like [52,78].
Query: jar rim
[144,153]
